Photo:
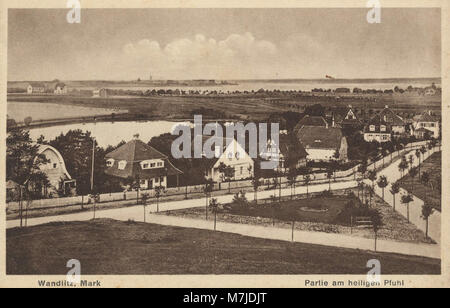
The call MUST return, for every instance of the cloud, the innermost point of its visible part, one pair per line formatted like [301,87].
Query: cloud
[237,56]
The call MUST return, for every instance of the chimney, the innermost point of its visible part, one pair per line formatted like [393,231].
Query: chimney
[136,137]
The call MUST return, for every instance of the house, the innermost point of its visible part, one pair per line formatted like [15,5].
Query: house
[377,129]
[231,154]
[290,153]
[56,172]
[422,133]
[138,161]
[100,93]
[396,124]
[346,118]
[36,87]
[430,91]
[323,143]
[429,122]
[60,88]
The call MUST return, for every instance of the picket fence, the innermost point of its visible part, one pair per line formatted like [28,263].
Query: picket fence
[196,189]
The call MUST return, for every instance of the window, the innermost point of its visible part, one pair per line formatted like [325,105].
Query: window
[160,164]
[122,164]
[145,166]
[242,170]
[157,180]
[55,165]
[383,128]
[238,155]
[110,162]
[230,156]
[372,128]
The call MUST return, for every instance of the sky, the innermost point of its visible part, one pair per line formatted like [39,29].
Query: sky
[118,44]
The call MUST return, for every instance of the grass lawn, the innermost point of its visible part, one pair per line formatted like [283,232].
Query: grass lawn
[336,220]
[430,193]
[114,247]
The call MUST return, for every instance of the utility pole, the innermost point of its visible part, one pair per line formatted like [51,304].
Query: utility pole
[92,167]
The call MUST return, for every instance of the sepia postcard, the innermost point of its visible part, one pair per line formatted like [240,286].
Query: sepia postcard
[225,144]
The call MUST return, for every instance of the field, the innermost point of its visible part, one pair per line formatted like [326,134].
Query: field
[430,192]
[113,247]
[238,106]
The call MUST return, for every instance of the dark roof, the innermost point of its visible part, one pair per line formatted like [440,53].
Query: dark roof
[134,152]
[37,84]
[320,137]
[426,117]
[377,121]
[289,145]
[60,84]
[391,117]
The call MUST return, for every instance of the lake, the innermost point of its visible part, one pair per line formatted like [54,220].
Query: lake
[47,111]
[110,133]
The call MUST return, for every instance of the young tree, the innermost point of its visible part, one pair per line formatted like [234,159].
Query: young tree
[275,206]
[329,176]
[214,206]
[395,189]
[382,183]
[207,190]
[307,180]
[95,197]
[292,178]
[413,173]
[228,174]
[159,191]
[256,183]
[403,166]
[427,211]
[377,222]
[144,199]
[372,177]
[418,155]
[411,161]
[407,199]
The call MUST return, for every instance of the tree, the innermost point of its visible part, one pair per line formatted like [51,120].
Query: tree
[395,189]
[95,197]
[413,173]
[411,160]
[228,173]
[427,211]
[418,155]
[403,166]
[256,183]
[329,176]
[292,178]
[207,190]
[159,191]
[407,199]
[214,206]
[307,180]
[361,188]
[23,165]
[144,199]
[382,183]
[372,176]
[377,222]
[275,206]
[363,168]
